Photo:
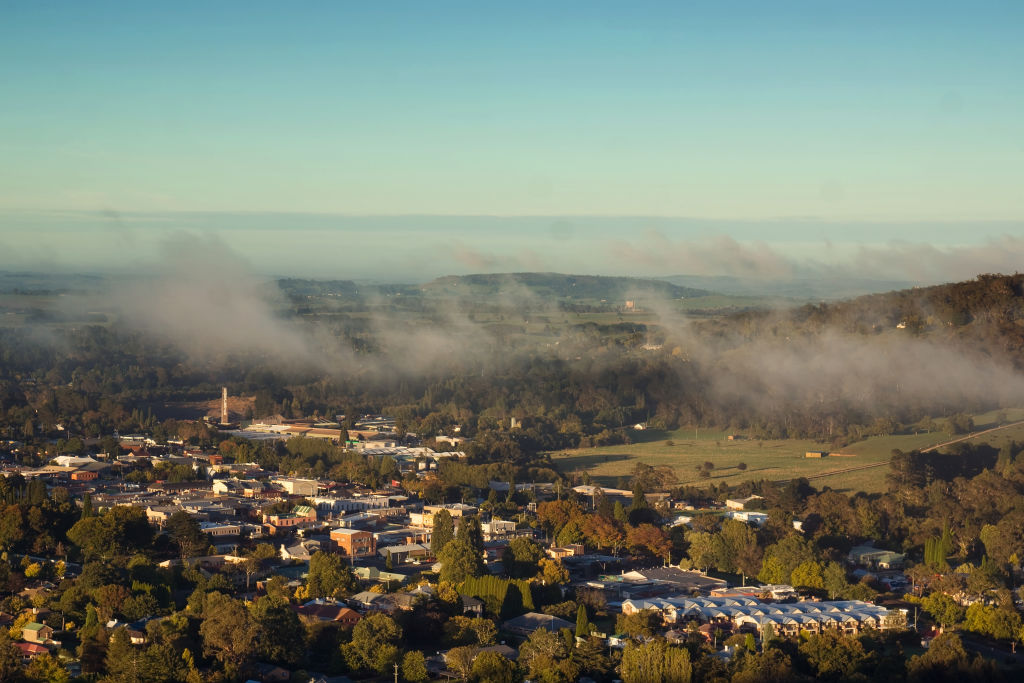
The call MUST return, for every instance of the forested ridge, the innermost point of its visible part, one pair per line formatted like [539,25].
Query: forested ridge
[985,313]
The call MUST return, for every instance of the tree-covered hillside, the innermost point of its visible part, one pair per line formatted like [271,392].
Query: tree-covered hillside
[986,313]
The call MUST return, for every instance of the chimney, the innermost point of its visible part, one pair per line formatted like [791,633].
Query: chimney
[224,405]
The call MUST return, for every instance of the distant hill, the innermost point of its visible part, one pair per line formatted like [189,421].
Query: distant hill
[802,288]
[560,286]
[34,283]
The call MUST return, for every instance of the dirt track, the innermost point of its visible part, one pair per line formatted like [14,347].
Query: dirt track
[970,436]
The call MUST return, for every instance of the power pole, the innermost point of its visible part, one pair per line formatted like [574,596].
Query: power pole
[396,673]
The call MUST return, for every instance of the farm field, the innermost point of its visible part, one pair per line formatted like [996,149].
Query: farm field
[769,459]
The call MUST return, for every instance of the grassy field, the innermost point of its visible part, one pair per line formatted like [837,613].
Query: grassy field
[777,460]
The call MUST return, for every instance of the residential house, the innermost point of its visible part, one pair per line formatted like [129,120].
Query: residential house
[365,599]
[30,651]
[406,552]
[300,552]
[379,575]
[471,605]
[571,550]
[505,651]
[34,632]
[271,673]
[158,514]
[328,610]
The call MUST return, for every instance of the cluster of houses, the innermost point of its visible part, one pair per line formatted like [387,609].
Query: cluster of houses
[385,535]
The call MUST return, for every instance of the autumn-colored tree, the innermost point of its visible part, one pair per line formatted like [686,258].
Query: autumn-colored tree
[109,600]
[602,532]
[553,572]
[650,539]
[555,514]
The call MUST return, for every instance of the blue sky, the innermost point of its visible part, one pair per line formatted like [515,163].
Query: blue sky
[813,127]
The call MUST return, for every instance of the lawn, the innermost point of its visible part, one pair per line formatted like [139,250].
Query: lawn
[685,450]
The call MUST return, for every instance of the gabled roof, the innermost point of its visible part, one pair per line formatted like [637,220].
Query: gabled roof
[31,648]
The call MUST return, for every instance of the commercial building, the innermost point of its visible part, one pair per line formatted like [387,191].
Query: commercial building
[354,542]
[783,619]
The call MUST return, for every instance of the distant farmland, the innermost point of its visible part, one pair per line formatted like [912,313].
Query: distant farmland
[768,459]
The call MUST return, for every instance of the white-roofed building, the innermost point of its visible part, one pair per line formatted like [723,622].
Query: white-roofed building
[849,616]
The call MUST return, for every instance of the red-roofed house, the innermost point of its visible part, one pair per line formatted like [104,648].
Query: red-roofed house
[30,651]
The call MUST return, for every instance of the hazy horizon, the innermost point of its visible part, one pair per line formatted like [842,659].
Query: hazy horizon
[407,141]
[420,248]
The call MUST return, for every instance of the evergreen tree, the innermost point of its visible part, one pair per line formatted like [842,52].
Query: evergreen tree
[443,531]
[639,498]
[10,658]
[602,505]
[281,637]
[619,512]
[123,659]
[459,561]
[471,532]
[93,642]
[582,624]
[186,533]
